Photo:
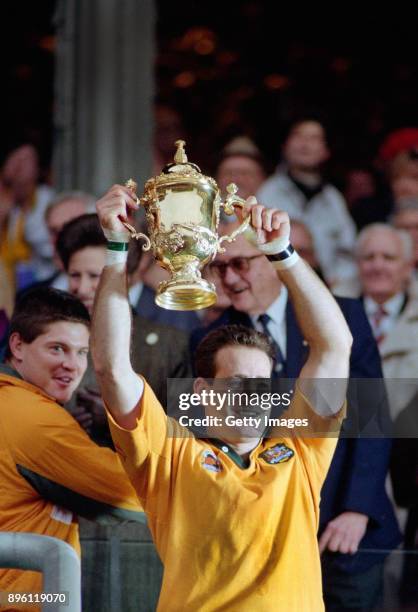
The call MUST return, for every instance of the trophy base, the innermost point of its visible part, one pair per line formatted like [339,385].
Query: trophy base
[183,295]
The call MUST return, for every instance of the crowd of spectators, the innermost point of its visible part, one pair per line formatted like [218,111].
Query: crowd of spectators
[363,243]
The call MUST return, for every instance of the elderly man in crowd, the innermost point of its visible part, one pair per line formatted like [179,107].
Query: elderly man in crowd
[385,259]
[241,163]
[63,208]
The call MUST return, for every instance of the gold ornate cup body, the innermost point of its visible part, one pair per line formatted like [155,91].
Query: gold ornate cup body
[182,210]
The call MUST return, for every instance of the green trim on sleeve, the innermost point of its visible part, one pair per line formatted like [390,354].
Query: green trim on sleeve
[91,509]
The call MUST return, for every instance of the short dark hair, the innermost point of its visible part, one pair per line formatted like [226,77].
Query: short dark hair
[309,117]
[77,234]
[41,306]
[85,231]
[228,335]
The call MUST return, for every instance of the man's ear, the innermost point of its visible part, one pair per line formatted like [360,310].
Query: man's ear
[200,384]
[16,345]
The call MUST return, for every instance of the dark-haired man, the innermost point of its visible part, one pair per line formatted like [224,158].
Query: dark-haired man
[299,188]
[158,351]
[227,517]
[50,470]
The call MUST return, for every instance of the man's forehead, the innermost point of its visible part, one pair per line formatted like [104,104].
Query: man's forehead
[238,161]
[308,127]
[242,361]
[382,241]
[66,332]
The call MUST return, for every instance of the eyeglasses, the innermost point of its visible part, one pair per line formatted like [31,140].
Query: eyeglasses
[238,264]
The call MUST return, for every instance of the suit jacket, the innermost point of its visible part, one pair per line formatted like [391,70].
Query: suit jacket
[356,479]
[158,352]
[399,353]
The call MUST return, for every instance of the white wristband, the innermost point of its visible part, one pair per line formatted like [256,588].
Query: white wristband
[286,263]
[285,259]
[115,257]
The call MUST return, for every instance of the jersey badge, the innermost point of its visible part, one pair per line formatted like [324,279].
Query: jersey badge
[210,461]
[277,454]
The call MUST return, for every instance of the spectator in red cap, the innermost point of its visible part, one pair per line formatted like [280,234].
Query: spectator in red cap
[397,142]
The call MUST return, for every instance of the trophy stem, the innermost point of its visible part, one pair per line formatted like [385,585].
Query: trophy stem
[187,290]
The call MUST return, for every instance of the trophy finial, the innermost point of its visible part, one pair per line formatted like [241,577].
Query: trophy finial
[180,156]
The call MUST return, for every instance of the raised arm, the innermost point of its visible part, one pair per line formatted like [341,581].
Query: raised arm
[319,316]
[121,388]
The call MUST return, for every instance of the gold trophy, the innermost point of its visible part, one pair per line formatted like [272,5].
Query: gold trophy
[182,208]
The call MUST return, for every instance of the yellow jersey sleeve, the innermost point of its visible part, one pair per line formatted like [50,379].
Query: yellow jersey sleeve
[149,452]
[316,442]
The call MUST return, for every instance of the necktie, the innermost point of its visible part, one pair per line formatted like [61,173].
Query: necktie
[378,319]
[279,368]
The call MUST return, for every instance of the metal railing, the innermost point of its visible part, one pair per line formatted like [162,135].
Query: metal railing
[57,560]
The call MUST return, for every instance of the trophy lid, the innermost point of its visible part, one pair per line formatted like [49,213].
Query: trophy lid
[181,165]
[182,171]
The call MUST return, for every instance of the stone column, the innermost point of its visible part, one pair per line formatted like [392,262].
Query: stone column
[104,89]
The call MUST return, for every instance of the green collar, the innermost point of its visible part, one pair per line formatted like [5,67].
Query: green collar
[9,371]
[228,450]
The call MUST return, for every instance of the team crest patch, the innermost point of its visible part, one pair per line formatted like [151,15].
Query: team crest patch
[210,461]
[277,454]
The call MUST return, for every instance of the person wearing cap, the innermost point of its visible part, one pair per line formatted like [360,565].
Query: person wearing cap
[398,141]
[227,516]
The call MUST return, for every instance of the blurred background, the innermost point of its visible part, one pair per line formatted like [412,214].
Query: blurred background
[96,91]
[235,67]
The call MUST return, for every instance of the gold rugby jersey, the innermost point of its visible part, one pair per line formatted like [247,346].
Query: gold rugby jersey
[50,471]
[232,536]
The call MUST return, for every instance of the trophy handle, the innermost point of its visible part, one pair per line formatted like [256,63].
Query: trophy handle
[228,206]
[131,184]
